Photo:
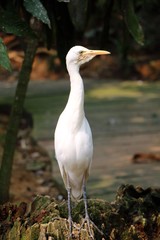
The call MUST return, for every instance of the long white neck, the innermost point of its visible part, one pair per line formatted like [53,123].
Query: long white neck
[75,104]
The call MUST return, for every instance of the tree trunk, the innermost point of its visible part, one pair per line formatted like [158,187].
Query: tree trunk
[16,113]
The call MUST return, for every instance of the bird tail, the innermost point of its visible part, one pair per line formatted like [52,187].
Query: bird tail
[76,193]
[75,183]
[77,187]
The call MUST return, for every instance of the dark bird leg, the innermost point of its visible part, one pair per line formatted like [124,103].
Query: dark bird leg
[69,211]
[69,208]
[87,218]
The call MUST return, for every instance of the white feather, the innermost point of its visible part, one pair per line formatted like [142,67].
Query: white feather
[73,137]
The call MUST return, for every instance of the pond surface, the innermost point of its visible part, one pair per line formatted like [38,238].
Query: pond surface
[124,117]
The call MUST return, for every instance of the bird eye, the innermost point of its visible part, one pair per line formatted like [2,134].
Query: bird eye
[81,52]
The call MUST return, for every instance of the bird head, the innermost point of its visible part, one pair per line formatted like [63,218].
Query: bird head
[79,55]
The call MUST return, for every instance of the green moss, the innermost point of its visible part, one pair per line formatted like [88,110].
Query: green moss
[15,231]
[35,230]
[40,203]
[129,234]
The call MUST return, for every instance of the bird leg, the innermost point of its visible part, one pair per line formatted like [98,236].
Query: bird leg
[69,211]
[69,208]
[87,218]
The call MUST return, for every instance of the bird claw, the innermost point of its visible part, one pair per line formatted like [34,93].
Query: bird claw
[71,226]
[90,230]
[70,236]
[90,225]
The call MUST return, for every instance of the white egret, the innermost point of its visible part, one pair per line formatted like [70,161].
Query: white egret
[73,137]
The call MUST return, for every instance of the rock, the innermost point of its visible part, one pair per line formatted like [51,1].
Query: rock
[135,214]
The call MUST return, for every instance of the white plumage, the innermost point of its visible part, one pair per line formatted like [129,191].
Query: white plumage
[73,137]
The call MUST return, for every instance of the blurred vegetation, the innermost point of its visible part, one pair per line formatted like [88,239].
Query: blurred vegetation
[123,27]
[120,26]
[103,23]
[126,28]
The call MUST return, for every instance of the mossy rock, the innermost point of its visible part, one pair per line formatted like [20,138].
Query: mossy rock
[134,215]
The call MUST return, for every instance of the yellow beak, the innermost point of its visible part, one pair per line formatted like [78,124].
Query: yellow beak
[96,52]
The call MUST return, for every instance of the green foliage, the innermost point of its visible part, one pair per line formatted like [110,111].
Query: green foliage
[131,21]
[64,19]
[10,22]
[37,10]
[4,59]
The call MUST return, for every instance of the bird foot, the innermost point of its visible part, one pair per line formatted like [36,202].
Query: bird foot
[90,225]
[71,226]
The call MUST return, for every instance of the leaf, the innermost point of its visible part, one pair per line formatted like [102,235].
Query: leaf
[4,59]
[36,8]
[131,21]
[78,13]
[10,22]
